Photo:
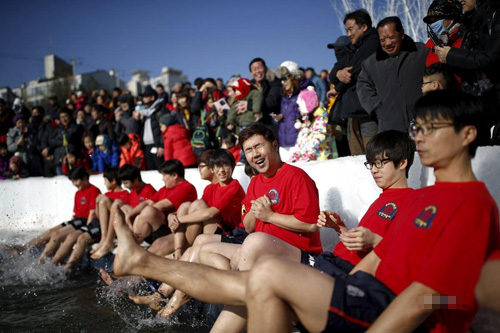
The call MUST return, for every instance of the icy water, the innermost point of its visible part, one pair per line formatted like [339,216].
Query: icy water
[41,298]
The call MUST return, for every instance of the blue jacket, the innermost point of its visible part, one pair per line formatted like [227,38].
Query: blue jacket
[287,131]
[102,160]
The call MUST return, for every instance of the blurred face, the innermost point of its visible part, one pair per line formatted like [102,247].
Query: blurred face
[13,167]
[78,183]
[71,159]
[35,112]
[468,5]
[429,84]
[64,118]
[20,124]
[258,71]
[124,106]
[262,155]
[169,180]
[147,99]
[108,184]
[102,147]
[309,74]
[354,32]
[87,108]
[173,98]
[2,107]
[127,184]
[223,173]
[94,114]
[391,41]
[100,100]
[87,142]
[205,172]
[159,90]
[182,101]
[3,151]
[80,116]
[287,83]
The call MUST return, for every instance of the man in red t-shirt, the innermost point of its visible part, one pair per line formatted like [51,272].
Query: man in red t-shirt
[130,176]
[389,157]
[421,276]
[84,202]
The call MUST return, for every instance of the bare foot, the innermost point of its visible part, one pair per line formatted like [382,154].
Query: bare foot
[106,276]
[175,303]
[166,290]
[95,249]
[14,250]
[154,301]
[105,249]
[129,254]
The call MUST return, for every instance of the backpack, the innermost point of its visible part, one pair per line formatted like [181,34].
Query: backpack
[200,140]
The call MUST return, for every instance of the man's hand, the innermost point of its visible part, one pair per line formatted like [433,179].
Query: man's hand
[331,220]
[332,93]
[442,52]
[242,107]
[359,238]
[344,75]
[173,222]
[160,152]
[277,117]
[128,220]
[261,208]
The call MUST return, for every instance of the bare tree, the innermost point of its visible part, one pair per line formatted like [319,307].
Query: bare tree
[411,13]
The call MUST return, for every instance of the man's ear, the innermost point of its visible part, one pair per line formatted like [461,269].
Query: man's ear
[469,134]
[403,164]
[276,145]
[364,27]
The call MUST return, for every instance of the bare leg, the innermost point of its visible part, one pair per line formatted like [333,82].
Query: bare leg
[83,241]
[307,295]
[40,241]
[154,301]
[205,283]
[218,254]
[148,221]
[163,246]
[55,240]
[103,213]
[64,250]
[109,244]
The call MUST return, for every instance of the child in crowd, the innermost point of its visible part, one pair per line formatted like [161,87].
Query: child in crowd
[237,117]
[389,156]
[4,160]
[72,160]
[105,155]
[130,177]
[88,143]
[438,77]
[131,151]
[85,199]
[315,140]
[17,168]
[177,140]
[230,142]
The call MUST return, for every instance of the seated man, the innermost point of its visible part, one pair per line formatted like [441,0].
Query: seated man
[85,199]
[438,77]
[418,276]
[389,157]
[130,177]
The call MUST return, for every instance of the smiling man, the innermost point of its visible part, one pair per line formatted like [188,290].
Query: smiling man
[390,81]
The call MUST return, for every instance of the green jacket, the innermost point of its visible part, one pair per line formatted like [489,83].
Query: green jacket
[248,117]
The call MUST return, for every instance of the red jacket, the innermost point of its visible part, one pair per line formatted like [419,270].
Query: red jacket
[177,144]
[131,156]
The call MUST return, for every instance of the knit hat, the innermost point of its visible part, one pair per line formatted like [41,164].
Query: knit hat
[17,117]
[103,139]
[440,9]
[244,86]
[289,68]
[308,100]
[169,119]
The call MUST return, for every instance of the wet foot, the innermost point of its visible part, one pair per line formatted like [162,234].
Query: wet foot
[166,290]
[129,254]
[106,276]
[105,249]
[97,248]
[175,303]
[154,301]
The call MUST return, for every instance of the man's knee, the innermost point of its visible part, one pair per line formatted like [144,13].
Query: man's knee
[83,239]
[60,234]
[148,213]
[197,205]
[256,241]
[262,276]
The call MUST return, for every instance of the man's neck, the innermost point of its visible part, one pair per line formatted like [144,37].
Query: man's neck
[457,171]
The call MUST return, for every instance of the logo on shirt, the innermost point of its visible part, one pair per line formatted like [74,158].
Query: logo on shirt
[274,196]
[83,201]
[141,199]
[354,291]
[424,219]
[388,211]
[243,209]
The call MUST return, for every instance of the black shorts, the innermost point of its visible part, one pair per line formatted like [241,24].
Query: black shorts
[307,258]
[163,230]
[77,223]
[93,229]
[235,236]
[332,265]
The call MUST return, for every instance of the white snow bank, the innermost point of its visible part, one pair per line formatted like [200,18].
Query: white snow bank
[345,186]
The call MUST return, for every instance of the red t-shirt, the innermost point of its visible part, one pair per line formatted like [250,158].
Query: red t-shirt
[378,218]
[137,196]
[85,201]
[442,240]
[120,195]
[292,192]
[227,199]
[182,192]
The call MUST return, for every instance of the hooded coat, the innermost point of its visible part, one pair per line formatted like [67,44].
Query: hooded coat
[134,155]
[177,144]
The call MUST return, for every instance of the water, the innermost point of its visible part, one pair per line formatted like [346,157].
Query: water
[41,298]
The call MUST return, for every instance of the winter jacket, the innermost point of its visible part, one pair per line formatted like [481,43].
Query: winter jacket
[177,144]
[134,155]
[271,94]
[102,160]
[103,127]
[73,134]
[247,117]
[355,55]
[28,150]
[151,116]
[287,131]
[390,86]
[320,87]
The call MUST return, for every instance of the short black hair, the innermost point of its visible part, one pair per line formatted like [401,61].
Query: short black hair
[117,89]
[442,69]
[250,171]
[360,16]
[391,20]
[256,129]
[160,85]
[111,173]
[458,107]
[310,69]
[65,110]
[396,145]
[205,156]
[257,60]
[198,82]
[122,139]
[222,157]
[172,166]
[78,173]
[211,80]
[129,172]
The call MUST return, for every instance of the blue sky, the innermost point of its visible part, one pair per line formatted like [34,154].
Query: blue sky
[200,37]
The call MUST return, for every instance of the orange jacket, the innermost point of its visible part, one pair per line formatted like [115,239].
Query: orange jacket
[134,155]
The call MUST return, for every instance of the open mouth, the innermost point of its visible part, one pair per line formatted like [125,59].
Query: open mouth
[260,162]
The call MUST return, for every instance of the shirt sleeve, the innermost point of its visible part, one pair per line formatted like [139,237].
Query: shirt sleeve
[305,200]
[228,201]
[182,194]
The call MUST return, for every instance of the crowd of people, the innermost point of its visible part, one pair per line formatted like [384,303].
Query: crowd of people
[259,252]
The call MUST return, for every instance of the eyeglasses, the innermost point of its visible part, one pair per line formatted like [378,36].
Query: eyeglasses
[379,164]
[427,82]
[284,79]
[427,129]
[220,167]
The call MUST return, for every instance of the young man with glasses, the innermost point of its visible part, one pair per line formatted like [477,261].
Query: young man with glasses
[421,276]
